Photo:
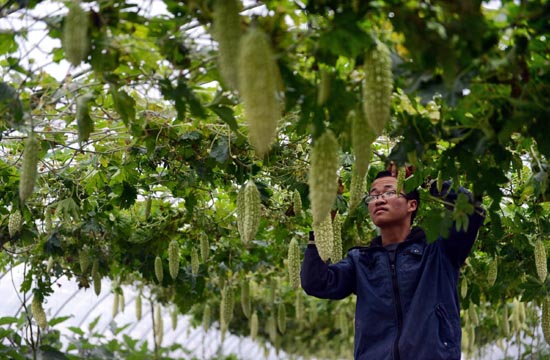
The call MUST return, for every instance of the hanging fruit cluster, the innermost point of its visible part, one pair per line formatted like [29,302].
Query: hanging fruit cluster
[248,211]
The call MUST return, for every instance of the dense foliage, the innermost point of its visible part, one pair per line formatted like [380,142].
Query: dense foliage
[144,142]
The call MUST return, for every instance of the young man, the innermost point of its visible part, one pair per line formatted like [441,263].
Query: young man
[407,302]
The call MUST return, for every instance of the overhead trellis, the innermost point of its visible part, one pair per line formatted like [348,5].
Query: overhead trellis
[145,140]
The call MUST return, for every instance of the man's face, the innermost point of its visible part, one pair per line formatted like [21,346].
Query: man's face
[388,211]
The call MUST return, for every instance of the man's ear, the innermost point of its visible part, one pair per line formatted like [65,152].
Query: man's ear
[412,204]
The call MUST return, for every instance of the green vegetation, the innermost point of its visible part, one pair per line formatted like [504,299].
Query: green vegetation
[144,142]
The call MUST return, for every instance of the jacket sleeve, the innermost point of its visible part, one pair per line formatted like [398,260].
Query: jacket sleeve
[319,279]
[458,244]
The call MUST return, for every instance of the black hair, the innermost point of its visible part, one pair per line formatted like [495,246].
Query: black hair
[411,195]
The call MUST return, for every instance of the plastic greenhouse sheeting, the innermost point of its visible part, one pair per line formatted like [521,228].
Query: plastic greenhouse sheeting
[83,308]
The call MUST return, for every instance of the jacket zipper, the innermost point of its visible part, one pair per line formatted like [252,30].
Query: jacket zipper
[398,310]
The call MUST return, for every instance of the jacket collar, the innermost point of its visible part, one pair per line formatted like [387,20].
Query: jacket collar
[416,235]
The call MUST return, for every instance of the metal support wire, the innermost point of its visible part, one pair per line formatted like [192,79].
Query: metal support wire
[189,339]
[189,343]
[230,347]
[109,323]
[17,293]
[147,331]
[6,272]
[92,308]
[65,303]
[143,315]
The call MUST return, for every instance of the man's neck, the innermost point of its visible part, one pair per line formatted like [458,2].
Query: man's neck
[394,234]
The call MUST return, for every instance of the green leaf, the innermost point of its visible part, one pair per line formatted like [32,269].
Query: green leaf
[7,43]
[226,114]
[192,135]
[532,288]
[131,343]
[58,320]
[14,354]
[11,107]
[125,105]
[345,38]
[127,195]
[93,323]
[50,353]
[183,97]
[118,330]
[83,119]
[436,223]
[76,330]
[53,244]
[7,320]
[220,150]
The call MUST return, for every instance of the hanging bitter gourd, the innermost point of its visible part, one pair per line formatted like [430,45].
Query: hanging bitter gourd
[116,304]
[271,327]
[297,202]
[516,315]
[96,277]
[294,264]
[159,271]
[323,177]
[362,138]
[205,247]
[84,122]
[206,315]
[463,287]
[492,272]
[174,317]
[226,308]
[194,262]
[357,189]
[337,238]
[38,312]
[258,73]
[246,303]
[281,317]
[248,211]
[75,39]
[324,237]
[505,321]
[159,326]
[254,326]
[29,167]
[472,313]
[299,306]
[138,305]
[173,259]
[377,86]
[147,207]
[84,259]
[227,32]
[15,222]
[540,260]
[546,319]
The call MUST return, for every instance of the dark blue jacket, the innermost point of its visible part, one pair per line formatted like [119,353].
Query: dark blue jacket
[406,311]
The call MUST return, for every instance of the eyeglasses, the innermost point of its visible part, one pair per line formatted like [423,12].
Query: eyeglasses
[385,195]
